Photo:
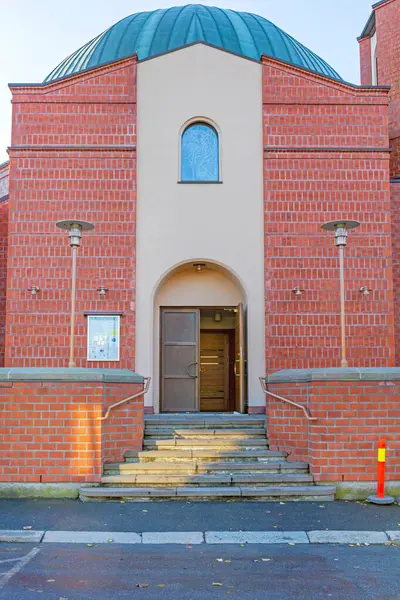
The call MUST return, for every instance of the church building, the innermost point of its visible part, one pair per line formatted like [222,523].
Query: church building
[196,152]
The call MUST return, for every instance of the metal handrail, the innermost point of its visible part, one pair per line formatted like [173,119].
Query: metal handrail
[146,385]
[282,399]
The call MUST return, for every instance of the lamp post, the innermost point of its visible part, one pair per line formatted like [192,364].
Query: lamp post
[75,229]
[340,228]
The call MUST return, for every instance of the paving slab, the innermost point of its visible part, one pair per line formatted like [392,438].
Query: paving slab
[16,536]
[347,537]
[394,537]
[173,537]
[256,537]
[92,537]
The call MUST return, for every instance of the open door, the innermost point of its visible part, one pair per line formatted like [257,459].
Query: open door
[240,361]
[180,332]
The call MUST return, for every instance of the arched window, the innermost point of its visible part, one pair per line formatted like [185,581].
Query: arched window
[200,153]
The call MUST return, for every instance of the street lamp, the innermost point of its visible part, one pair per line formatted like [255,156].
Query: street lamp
[340,228]
[75,229]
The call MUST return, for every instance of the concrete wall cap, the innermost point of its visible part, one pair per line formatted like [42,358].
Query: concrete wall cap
[72,375]
[334,374]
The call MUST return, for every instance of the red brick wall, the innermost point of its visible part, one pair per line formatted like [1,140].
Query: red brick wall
[73,155]
[3,274]
[387,18]
[395,202]
[49,432]
[287,428]
[123,430]
[325,158]
[365,61]
[352,417]
[4,180]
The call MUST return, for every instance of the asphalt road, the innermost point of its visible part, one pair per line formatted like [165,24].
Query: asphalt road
[165,572]
[68,515]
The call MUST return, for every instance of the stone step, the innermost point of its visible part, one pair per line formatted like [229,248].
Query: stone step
[309,492]
[202,421]
[233,433]
[195,467]
[253,479]
[212,442]
[211,454]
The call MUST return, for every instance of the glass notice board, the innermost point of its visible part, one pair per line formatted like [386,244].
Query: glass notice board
[103,337]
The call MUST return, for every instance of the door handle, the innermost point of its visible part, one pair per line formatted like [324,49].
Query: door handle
[235,368]
[187,370]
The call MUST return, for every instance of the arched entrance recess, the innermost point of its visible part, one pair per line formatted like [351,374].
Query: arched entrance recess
[199,340]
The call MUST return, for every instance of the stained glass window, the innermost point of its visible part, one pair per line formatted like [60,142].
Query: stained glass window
[200,153]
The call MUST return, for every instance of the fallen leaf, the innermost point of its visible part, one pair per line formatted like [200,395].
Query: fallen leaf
[229,500]
[217,584]
[27,527]
[161,585]
[142,585]
[228,561]
[90,545]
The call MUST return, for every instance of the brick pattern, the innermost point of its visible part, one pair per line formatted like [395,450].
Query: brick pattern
[352,417]
[73,155]
[365,61]
[313,174]
[50,432]
[395,202]
[287,427]
[388,56]
[3,274]
[123,430]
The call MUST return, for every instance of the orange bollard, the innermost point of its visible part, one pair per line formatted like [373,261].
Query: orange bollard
[380,497]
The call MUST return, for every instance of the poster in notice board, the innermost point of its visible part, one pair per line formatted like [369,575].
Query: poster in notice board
[103,337]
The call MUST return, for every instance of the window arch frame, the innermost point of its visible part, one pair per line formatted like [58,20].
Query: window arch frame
[208,123]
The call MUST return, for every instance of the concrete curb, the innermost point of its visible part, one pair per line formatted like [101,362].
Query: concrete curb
[208,537]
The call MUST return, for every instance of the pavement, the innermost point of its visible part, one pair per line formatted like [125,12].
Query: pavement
[199,550]
[72,515]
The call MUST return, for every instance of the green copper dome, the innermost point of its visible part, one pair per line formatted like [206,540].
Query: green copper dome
[151,33]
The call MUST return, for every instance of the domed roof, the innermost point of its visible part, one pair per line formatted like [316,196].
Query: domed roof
[151,33]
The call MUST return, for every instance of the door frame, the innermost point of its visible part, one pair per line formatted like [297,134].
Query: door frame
[232,395]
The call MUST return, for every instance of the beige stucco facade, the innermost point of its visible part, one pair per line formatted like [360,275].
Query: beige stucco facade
[218,224]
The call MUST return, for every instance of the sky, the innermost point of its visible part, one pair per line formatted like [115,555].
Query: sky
[36,35]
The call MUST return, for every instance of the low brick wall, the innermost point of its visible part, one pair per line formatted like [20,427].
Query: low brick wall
[354,408]
[50,431]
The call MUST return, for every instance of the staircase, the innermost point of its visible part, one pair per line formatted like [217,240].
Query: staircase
[206,457]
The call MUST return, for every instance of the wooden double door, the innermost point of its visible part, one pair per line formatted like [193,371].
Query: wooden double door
[201,370]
